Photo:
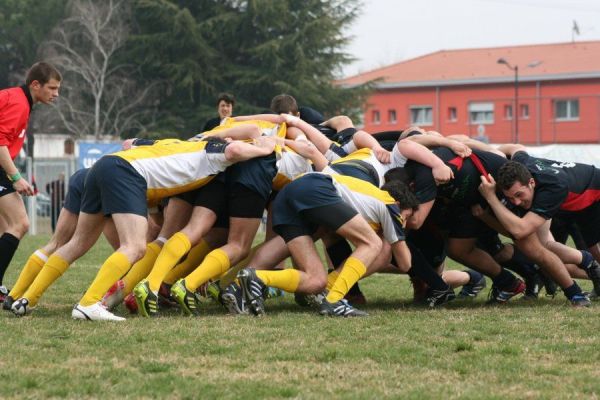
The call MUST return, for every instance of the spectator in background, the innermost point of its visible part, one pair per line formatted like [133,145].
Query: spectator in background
[225,103]
[56,191]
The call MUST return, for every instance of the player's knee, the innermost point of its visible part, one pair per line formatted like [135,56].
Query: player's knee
[20,226]
[316,284]
[133,251]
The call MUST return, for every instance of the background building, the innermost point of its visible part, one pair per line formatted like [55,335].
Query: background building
[472,91]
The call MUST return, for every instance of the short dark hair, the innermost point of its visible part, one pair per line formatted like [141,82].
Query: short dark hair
[227,98]
[42,72]
[399,174]
[402,194]
[512,172]
[284,104]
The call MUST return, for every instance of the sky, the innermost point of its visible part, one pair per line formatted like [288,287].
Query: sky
[390,31]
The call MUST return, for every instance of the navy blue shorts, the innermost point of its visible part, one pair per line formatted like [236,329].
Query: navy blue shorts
[256,174]
[113,186]
[75,191]
[305,204]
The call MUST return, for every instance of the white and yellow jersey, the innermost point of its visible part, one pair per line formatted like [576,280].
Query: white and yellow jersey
[266,128]
[290,165]
[173,166]
[375,205]
[366,159]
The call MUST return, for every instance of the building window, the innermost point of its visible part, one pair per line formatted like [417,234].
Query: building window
[524,111]
[565,110]
[507,111]
[392,116]
[481,113]
[452,114]
[376,117]
[421,115]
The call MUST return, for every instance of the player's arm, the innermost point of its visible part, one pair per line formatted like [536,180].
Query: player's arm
[416,220]
[239,132]
[489,219]
[475,144]
[516,226]
[237,151]
[417,152]
[19,183]
[429,141]
[308,151]
[363,140]
[402,255]
[510,149]
[317,138]
[273,118]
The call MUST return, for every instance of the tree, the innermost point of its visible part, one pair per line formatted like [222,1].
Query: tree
[23,25]
[100,95]
[255,49]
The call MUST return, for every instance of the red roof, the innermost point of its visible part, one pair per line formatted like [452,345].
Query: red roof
[463,66]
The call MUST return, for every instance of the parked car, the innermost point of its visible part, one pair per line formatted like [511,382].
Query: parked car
[43,204]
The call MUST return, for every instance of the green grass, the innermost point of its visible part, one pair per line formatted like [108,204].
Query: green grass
[531,350]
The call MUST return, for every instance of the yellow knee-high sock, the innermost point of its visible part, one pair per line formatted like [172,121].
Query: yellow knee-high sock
[331,278]
[141,269]
[112,270]
[351,272]
[230,275]
[193,259]
[287,279]
[51,271]
[171,253]
[214,264]
[32,268]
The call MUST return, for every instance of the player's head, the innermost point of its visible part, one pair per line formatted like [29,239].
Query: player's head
[284,104]
[43,81]
[399,174]
[406,199]
[225,103]
[412,131]
[516,183]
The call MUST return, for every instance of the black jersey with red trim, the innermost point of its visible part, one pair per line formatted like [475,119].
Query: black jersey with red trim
[560,186]
[463,189]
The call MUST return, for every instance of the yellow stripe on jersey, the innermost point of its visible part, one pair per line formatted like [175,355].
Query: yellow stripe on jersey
[166,147]
[360,186]
[361,154]
[171,166]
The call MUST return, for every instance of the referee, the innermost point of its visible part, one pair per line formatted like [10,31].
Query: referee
[41,85]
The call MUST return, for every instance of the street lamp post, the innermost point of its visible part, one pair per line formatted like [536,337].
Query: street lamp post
[516,100]
[532,64]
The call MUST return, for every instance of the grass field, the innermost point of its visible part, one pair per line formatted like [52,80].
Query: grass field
[524,350]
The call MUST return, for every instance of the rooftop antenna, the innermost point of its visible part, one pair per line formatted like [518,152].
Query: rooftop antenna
[574,31]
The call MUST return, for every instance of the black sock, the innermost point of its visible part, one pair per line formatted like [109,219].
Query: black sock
[572,291]
[423,270]
[586,260]
[474,276]
[338,252]
[520,264]
[504,279]
[8,246]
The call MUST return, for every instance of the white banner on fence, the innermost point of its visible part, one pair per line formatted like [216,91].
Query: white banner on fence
[581,153]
